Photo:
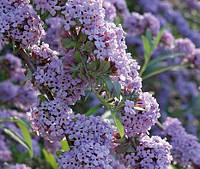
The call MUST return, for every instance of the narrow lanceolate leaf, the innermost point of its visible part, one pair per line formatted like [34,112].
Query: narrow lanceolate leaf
[149,37]
[50,159]
[25,132]
[26,135]
[158,37]
[161,70]
[93,110]
[65,145]
[15,136]
[147,47]
[15,119]
[119,125]
[163,57]
[113,87]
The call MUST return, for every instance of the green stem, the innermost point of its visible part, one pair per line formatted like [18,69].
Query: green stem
[103,102]
[116,119]
[144,66]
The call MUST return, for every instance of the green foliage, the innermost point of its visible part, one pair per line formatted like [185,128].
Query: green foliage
[118,123]
[15,136]
[77,56]
[87,47]
[26,139]
[149,46]
[113,87]
[161,58]
[17,156]
[65,145]
[42,98]
[68,43]
[158,37]
[50,159]
[163,69]
[93,110]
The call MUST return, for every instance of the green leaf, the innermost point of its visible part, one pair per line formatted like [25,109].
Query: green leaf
[26,135]
[117,88]
[114,88]
[93,110]
[88,47]
[161,70]
[119,125]
[117,21]
[65,145]
[172,167]
[82,37]
[108,83]
[149,37]
[158,37]
[21,157]
[42,98]
[161,58]
[104,66]
[50,159]
[74,75]
[77,56]
[15,119]
[147,47]
[68,43]
[15,136]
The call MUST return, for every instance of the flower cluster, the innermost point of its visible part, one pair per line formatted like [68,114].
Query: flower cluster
[48,118]
[90,155]
[185,147]
[110,10]
[164,11]
[185,47]
[56,75]
[136,24]
[150,153]
[11,89]
[5,153]
[108,40]
[48,5]
[140,121]
[19,23]
[19,166]
[83,39]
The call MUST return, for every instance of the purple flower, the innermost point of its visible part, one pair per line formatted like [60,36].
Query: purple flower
[151,152]
[138,117]
[19,22]
[48,118]
[8,91]
[19,166]
[5,154]
[185,147]
[88,155]
[81,129]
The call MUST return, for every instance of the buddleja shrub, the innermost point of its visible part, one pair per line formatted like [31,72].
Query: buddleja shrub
[80,50]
